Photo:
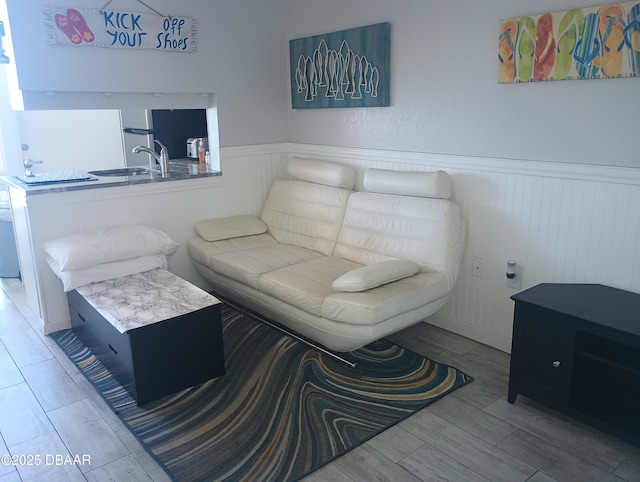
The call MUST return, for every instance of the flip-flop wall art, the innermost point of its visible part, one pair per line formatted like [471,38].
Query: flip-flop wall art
[585,43]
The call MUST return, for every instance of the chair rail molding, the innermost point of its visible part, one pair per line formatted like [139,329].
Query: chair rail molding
[564,170]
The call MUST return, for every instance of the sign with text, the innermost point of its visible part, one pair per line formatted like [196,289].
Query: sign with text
[119,29]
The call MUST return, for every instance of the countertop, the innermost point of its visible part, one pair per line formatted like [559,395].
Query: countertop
[179,170]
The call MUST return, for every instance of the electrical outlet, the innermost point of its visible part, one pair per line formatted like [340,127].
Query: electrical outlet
[477,268]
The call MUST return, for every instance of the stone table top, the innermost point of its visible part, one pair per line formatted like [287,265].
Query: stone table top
[141,299]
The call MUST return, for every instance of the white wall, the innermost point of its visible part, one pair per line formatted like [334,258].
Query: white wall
[444,91]
[445,96]
[239,57]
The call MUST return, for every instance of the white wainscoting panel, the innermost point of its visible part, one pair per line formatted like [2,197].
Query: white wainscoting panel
[248,173]
[564,223]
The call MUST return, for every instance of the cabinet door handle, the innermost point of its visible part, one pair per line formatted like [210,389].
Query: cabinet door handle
[556,364]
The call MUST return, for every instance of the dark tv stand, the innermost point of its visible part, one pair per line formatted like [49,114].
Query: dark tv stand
[576,348]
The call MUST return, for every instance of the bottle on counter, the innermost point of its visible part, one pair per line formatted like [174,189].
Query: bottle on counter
[201,151]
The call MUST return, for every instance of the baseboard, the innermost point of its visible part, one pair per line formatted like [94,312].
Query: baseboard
[54,326]
[470,331]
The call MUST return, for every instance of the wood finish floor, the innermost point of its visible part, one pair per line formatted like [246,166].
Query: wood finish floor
[52,417]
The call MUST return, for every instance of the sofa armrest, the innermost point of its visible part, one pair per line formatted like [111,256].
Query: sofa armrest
[230,227]
[376,274]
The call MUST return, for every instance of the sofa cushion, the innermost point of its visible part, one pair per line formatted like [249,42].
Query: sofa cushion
[229,227]
[248,265]
[392,299]
[436,184]
[322,172]
[374,275]
[306,285]
[201,250]
[379,227]
[305,214]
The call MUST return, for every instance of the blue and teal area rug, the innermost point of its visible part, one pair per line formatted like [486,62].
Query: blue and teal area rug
[281,411]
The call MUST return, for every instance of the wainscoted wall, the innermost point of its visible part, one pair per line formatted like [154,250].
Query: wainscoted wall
[562,222]
[247,174]
[173,207]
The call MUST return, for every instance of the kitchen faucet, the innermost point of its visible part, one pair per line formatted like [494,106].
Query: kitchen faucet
[162,158]
[28,164]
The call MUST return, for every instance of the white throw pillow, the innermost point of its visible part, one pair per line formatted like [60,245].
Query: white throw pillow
[101,272]
[373,275]
[230,227]
[90,248]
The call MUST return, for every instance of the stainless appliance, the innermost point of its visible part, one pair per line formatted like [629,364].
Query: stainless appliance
[192,148]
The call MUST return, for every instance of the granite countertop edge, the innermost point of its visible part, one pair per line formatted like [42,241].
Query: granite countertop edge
[98,182]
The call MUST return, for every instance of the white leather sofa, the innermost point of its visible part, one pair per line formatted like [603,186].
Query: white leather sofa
[342,268]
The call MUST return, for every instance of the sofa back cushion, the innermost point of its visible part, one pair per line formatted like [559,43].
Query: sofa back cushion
[308,211]
[434,184]
[321,172]
[379,226]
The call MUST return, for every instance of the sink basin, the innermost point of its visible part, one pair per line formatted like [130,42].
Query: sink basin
[125,171]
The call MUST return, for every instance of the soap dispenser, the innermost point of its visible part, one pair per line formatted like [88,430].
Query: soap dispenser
[201,151]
